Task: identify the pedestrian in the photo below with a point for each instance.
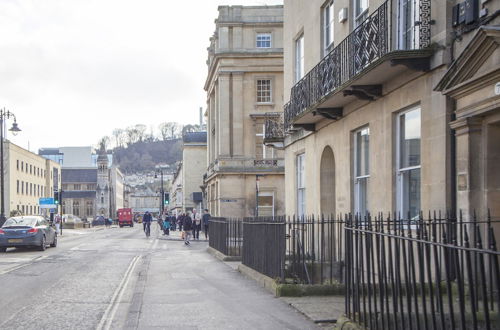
(173, 222)
(146, 219)
(196, 225)
(166, 226)
(188, 227)
(205, 220)
(180, 218)
(57, 221)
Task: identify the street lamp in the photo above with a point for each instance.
(4, 115)
(162, 192)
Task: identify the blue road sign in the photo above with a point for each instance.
(46, 201)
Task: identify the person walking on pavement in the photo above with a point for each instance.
(57, 221)
(188, 227)
(196, 225)
(180, 218)
(166, 225)
(205, 220)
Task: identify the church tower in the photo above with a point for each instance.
(103, 192)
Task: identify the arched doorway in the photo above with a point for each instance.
(327, 182)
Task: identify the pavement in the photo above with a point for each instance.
(116, 278)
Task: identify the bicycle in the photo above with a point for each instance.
(147, 230)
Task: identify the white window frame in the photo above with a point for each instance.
(267, 152)
(401, 185)
(359, 178)
(301, 187)
(263, 34)
(270, 90)
(266, 194)
(363, 12)
(328, 15)
(299, 57)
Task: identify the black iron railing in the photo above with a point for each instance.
(437, 273)
(315, 250)
(226, 235)
(382, 32)
(264, 245)
(274, 127)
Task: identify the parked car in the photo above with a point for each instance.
(71, 218)
(27, 231)
(99, 221)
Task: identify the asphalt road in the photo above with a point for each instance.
(118, 279)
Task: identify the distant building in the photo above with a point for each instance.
(143, 201)
(176, 195)
(92, 190)
(28, 177)
(74, 157)
(244, 86)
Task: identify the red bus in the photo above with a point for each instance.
(125, 217)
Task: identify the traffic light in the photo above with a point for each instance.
(56, 197)
(166, 198)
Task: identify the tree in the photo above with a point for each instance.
(132, 135)
(190, 128)
(119, 135)
(104, 142)
(169, 130)
(141, 131)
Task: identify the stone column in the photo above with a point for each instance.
(469, 163)
(238, 119)
(223, 123)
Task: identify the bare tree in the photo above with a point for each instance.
(141, 131)
(190, 128)
(119, 135)
(169, 130)
(132, 135)
(104, 142)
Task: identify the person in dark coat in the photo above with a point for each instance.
(205, 220)
(188, 227)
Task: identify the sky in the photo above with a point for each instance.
(73, 70)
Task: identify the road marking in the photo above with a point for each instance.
(3, 272)
(109, 314)
(155, 244)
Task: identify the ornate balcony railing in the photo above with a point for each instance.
(274, 129)
(369, 43)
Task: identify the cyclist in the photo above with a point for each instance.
(146, 222)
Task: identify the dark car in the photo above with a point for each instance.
(27, 231)
(99, 221)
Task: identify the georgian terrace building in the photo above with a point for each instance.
(363, 128)
(244, 87)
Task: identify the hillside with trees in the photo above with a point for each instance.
(137, 149)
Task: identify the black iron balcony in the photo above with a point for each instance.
(390, 40)
(274, 128)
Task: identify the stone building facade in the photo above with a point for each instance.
(28, 177)
(91, 191)
(364, 129)
(244, 85)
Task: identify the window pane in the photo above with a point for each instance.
(411, 194)
(361, 196)
(362, 152)
(264, 90)
(299, 58)
(263, 40)
(410, 139)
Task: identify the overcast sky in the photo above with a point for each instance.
(73, 70)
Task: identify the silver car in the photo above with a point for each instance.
(27, 231)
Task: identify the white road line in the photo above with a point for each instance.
(109, 314)
(155, 244)
(3, 272)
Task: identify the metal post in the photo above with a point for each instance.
(2, 194)
(61, 206)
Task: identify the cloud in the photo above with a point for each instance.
(73, 70)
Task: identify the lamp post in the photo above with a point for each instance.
(162, 192)
(4, 115)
